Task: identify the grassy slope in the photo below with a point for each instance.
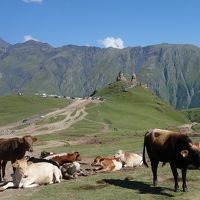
(134, 109)
(192, 114)
(14, 108)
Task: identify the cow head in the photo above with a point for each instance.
(191, 156)
(77, 155)
(120, 155)
(20, 164)
(28, 141)
(97, 161)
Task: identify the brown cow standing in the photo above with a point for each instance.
(14, 148)
(175, 148)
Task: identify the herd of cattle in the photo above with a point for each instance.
(162, 146)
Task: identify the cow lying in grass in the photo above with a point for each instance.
(72, 170)
(63, 158)
(107, 164)
(33, 174)
(129, 159)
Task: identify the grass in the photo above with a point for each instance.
(192, 114)
(15, 108)
(115, 185)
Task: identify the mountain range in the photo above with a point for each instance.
(172, 71)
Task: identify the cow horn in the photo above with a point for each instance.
(184, 153)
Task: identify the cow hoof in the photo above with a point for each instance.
(2, 189)
(185, 190)
(176, 190)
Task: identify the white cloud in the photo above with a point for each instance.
(112, 42)
(29, 37)
(32, 1)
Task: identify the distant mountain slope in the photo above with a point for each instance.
(171, 71)
(3, 45)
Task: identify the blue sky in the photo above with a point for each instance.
(103, 23)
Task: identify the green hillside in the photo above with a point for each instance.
(133, 109)
(15, 108)
(192, 114)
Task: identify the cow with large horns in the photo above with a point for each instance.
(173, 147)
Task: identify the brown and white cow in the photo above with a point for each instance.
(107, 164)
(65, 157)
(129, 159)
(14, 148)
(175, 148)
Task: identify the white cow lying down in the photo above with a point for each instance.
(33, 174)
(129, 159)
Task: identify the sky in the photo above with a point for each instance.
(102, 23)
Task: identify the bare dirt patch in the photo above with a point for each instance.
(70, 115)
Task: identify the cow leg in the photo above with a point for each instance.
(184, 172)
(0, 171)
(4, 169)
(12, 161)
(30, 186)
(154, 166)
(175, 174)
(8, 185)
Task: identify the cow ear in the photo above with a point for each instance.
(15, 164)
(29, 163)
(27, 157)
(184, 153)
(20, 140)
(34, 138)
(29, 139)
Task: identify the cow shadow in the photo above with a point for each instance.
(142, 188)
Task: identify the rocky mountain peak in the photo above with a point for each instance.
(3, 44)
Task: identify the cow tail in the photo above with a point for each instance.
(144, 159)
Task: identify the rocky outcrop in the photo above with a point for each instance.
(121, 77)
(134, 81)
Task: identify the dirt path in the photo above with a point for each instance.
(70, 115)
